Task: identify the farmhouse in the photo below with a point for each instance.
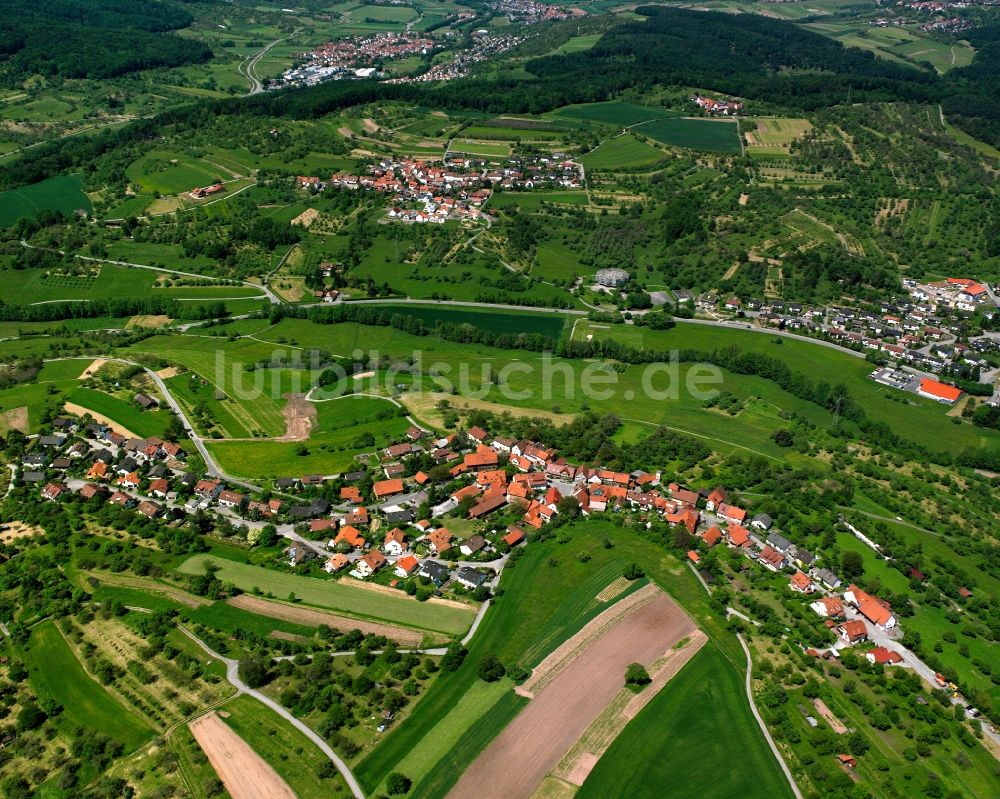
(877, 611)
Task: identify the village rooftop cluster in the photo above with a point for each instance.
(354, 57)
(456, 188)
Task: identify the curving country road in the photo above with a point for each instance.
(232, 674)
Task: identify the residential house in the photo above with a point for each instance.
(335, 563)
(53, 491)
(826, 577)
(828, 607)
(369, 564)
(762, 522)
(388, 488)
(853, 631)
(436, 572)
(395, 542)
(731, 514)
(514, 536)
(231, 499)
(472, 545)
(470, 578)
(351, 536)
(149, 509)
(876, 610)
(801, 583)
(298, 554)
(883, 656)
(440, 540)
(406, 566)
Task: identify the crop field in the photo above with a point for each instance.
(326, 452)
(775, 135)
(342, 596)
(56, 674)
(615, 113)
(534, 199)
(550, 593)
(707, 135)
(63, 193)
(129, 416)
(487, 149)
(622, 152)
(546, 324)
(296, 759)
(681, 744)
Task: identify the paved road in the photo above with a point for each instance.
(232, 674)
(250, 70)
(763, 726)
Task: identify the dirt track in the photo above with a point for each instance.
(299, 416)
(245, 774)
(314, 618)
(515, 763)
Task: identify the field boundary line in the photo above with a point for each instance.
(553, 665)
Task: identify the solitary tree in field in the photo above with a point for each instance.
(253, 669)
(636, 674)
(397, 784)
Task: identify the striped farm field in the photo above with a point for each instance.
(63, 193)
(353, 600)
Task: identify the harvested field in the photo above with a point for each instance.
(79, 410)
(14, 419)
(306, 218)
(14, 530)
(92, 369)
(299, 415)
(395, 592)
(314, 618)
(170, 371)
(613, 589)
(575, 685)
(147, 320)
(422, 405)
(245, 774)
(835, 724)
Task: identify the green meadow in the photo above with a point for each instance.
(63, 193)
(622, 152)
(708, 135)
(56, 674)
(124, 412)
(685, 741)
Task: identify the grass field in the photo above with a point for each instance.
(351, 600)
(56, 674)
(296, 759)
(167, 172)
(682, 743)
(142, 423)
(615, 113)
(622, 152)
(775, 135)
(63, 193)
(498, 321)
(708, 135)
(922, 420)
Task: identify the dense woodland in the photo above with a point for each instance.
(133, 37)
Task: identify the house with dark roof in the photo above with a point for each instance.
(469, 577)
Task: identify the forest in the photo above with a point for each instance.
(133, 37)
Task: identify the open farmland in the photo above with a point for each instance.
(706, 135)
(515, 763)
(142, 423)
(63, 193)
(622, 152)
(619, 114)
(168, 172)
(499, 321)
(245, 773)
(682, 743)
(354, 600)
